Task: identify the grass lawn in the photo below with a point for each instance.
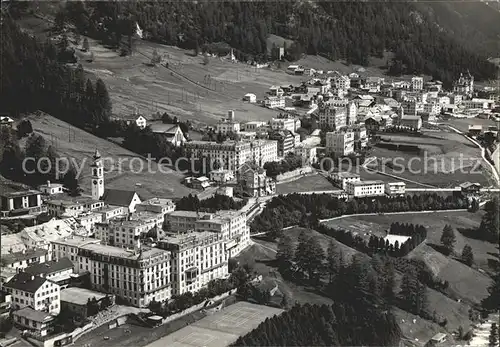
(261, 258)
(262, 254)
(465, 282)
(305, 184)
(446, 159)
(71, 142)
(186, 92)
(434, 222)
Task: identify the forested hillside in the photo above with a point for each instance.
(351, 31)
(341, 324)
(474, 24)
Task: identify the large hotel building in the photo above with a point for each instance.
(196, 259)
(231, 155)
(195, 251)
(230, 224)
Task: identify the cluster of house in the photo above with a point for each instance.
(258, 143)
(379, 101)
(125, 247)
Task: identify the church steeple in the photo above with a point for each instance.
(97, 180)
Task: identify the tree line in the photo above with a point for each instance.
(289, 163)
(213, 204)
(36, 171)
(349, 31)
(417, 234)
(339, 324)
(306, 209)
(34, 78)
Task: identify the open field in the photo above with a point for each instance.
(484, 252)
(465, 282)
(446, 159)
(188, 90)
(71, 142)
(462, 124)
(305, 184)
(220, 329)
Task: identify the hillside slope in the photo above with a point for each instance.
(121, 165)
(350, 31)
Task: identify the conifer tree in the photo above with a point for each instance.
(332, 261)
(448, 238)
(467, 255)
(493, 338)
(285, 251)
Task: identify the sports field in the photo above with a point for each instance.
(221, 328)
(446, 159)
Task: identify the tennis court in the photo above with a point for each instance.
(220, 328)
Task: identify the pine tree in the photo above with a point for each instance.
(389, 283)
(332, 260)
(285, 251)
(493, 339)
(420, 298)
(448, 238)
(490, 224)
(467, 255)
(492, 302)
(103, 100)
(408, 289)
(85, 45)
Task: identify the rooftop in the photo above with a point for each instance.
(79, 296)
(158, 201)
(121, 252)
(21, 193)
(12, 258)
(364, 183)
(52, 230)
(26, 282)
(189, 236)
(164, 128)
(344, 174)
(50, 267)
(118, 197)
(31, 314)
(188, 214)
(76, 241)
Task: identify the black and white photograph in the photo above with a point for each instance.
(246, 173)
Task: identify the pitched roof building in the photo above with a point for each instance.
(119, 197)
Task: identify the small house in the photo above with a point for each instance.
(475, 129)
(200, 182)
(6, 121)
(437, 339)
(469, 190)
(251, 98)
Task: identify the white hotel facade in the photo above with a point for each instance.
(233, 154)
(195, 251)
(196, 259)
(361, 189)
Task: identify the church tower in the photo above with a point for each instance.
(97, 177)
